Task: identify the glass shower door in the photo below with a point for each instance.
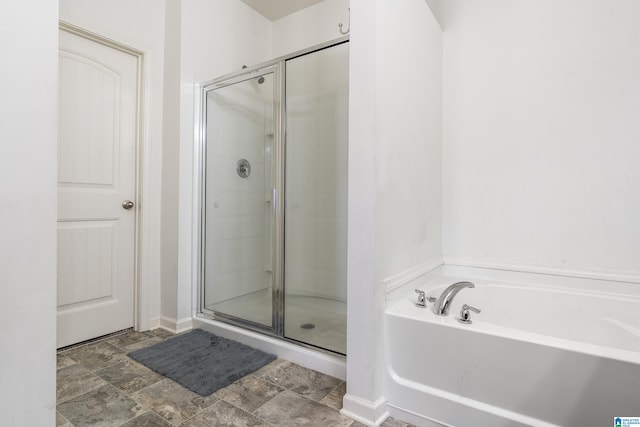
(238, 212)
(274, 192)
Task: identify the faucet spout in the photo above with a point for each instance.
(441, 307)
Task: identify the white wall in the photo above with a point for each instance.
(364, 364)
(409, 141)
(28, 131)
(139, 24)
(170, 163)
(219, 37)
(309, 27)
(394, 174)
(541, 134)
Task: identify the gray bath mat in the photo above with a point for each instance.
(201, 361)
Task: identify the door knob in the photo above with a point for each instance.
(128, 204)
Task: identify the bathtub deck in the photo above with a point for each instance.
(544, 352)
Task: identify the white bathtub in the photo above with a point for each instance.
(536, 356)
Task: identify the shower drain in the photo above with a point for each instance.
(307, 326)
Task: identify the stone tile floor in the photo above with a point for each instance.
(99, 385)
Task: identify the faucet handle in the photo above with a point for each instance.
(421, 298)
(465, 316)
(468, 307)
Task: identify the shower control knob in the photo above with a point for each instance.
(243, 168)
(128, 204)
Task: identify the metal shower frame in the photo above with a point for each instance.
(278, 68)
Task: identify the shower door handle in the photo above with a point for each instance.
(274, 197)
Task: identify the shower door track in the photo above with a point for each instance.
(277, 67)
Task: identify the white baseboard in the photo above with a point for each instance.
(176, 326)
(366, 412)
(154, 323)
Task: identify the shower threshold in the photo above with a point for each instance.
(328, 317)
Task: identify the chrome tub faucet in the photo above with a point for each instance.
(442, 305)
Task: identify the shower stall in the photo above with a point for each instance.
(273, 213)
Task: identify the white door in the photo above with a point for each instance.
(98, 90)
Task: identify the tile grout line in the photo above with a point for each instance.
(63, 417)
(196, 414)
(151, 385)
(324, 397)
(126, 394)
(293, 391)
(144, 412)
(253, 414)
(296, 393)
(88, 391)
(150, 408)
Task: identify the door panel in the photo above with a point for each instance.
(89, 117)
(98, 87)
(87, 267)
(238, 271)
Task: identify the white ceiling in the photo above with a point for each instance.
(276, 9)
